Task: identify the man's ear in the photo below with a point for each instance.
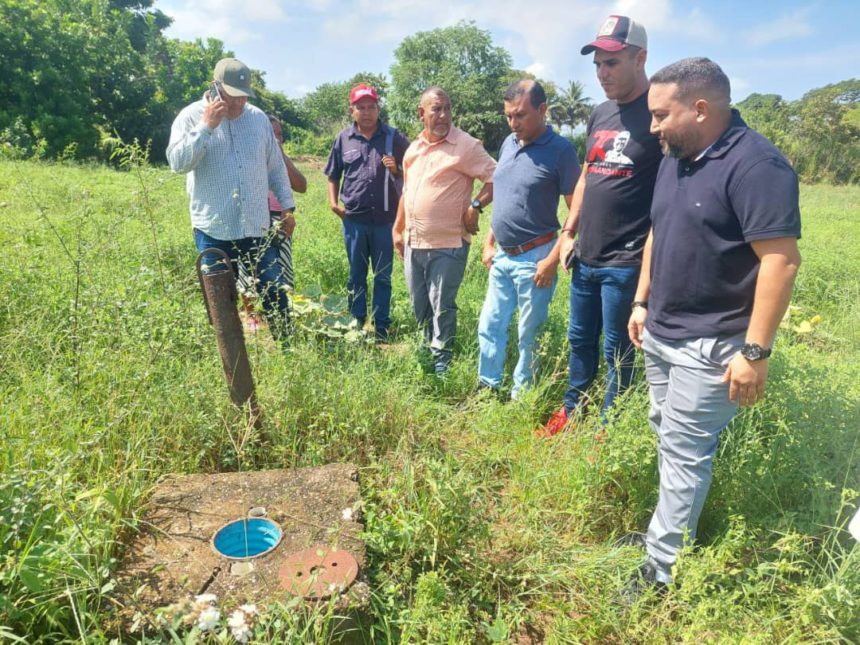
(703, 109)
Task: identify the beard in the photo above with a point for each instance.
(678, 146)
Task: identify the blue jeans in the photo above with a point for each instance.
(260, 257)
(512, 285)
(600, 298)
(369, 244)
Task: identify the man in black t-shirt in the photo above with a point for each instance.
(610, 214)
(717, 275)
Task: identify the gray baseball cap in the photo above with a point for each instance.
(616, 33)
(235, 77)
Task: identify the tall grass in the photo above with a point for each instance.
(476, 531)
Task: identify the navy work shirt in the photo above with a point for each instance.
(358, 161)
(527, 184)
(704, 215)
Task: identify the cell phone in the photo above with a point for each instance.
(214, 91)
(570, 259)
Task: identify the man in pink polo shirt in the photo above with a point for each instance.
(437, 217)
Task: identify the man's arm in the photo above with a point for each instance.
(333, 189)
(472, 216)
(548, 267)
(298, 182)
(636, 325)
(571, 224)
(189, 136)
(780, 260)
(489, 250)
(399, 227)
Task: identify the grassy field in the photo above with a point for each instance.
(476, 531)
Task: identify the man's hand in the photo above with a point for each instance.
(470, 220)
(746, 380)
(338, 210)
(487, 255)
(399, 243)
(214, 112)
(565, 249)
(545, 273)
(391, 164)
(636, 326)
(287, 224)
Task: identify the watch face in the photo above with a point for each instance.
(753, 352)
(476, 204)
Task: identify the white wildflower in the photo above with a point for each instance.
(206, 598)
(238, 627)
(347, 515)
(250, 610)
(208, 619)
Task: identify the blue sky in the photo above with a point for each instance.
(764, 46)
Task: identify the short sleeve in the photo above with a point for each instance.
(477, 162)
(568, 168)
(766, 200)
(334, 166)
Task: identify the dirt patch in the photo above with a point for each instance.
(172, 559)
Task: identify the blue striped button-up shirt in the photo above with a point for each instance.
(230, 171)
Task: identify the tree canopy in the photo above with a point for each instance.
(462, 60)
(75, 75)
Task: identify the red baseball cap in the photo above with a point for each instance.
(361, 91)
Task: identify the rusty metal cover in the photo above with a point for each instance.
(318, 572)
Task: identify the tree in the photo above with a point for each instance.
(327, 107)
(463, 61)
(569, 108)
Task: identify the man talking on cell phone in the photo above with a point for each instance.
(228, 151)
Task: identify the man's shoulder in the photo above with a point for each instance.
(461, 137)
(751, 148)
(606, 109)
(192, 110)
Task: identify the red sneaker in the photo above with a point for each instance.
(557, 422)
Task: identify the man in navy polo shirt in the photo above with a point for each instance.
(717, 276)
(368, 156)
(603, 238)
(536, 166)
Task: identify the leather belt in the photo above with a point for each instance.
(528, 246)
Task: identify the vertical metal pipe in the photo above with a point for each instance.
(219, 293)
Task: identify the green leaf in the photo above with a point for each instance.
(498, 631)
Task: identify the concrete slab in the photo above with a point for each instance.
(171, 559)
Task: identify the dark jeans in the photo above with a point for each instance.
(369, 245)
(260, 257)
(600, 298)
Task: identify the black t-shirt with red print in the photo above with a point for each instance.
(623, 158)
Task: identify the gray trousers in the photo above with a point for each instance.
(690, 406)
(433, 277)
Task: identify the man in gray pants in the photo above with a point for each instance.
(437, 216)
(717, 275)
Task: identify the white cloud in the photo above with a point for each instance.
(794, 25)
(233, 21)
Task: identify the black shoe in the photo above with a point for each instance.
(381, 336)
(634, 539)
(641, 584)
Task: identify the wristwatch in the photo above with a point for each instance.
(754, 352)
(639, 303)
(476, 204)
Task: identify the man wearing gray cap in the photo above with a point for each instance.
(228, 150)
(602, 239)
